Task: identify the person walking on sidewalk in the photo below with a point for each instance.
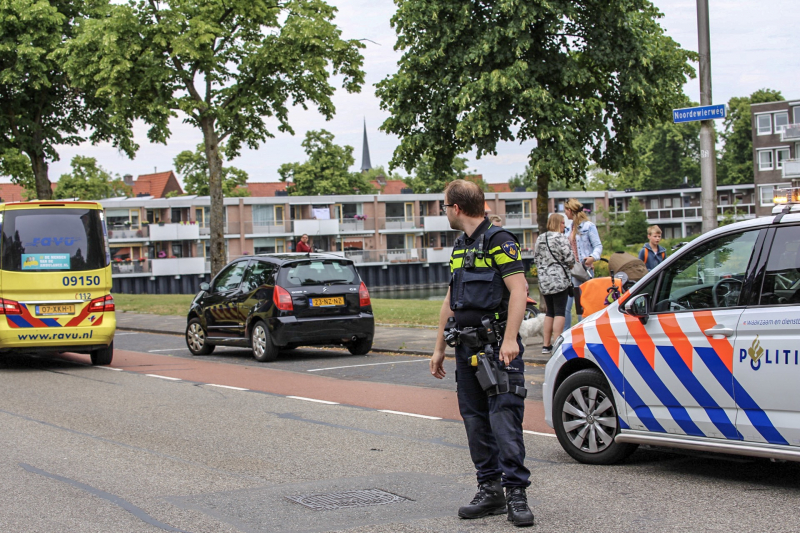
(586, 245)
(487, 287)
(652, 253)
(554, 259)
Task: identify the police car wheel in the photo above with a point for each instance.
(263, 349)
(196, 338)
(585, 419)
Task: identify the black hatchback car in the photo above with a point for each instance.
(282, 301)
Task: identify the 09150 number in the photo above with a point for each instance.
(88, 281)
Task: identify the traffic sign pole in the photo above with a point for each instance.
(708, 157)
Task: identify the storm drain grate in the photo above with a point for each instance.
(343, 500)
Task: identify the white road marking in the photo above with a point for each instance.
(167, 350)
(163, 377)
(538, 433)
(225, 386)
(313, 400)
(117, 334)
(370, 364)
(109, 368)
(409, 414)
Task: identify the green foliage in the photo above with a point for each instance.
(41, 107)
(194, 168)
(377, 172)
(580, 78)
(635, 224)
(736, 163)
(17, 166)
(327, 170)
(228, 66)
(88, 181)
(428, 179)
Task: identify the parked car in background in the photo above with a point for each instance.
(282, 301)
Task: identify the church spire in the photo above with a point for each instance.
(365, 162)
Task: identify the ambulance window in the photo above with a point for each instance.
(709, 276)
(782, 278)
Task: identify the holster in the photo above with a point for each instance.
(493, 379)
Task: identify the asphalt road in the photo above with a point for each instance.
(93, 449)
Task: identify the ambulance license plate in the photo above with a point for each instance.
(327, 302)
(55, 309)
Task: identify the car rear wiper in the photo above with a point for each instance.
(338, 282)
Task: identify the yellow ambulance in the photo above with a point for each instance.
(55, 280)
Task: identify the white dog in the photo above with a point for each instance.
(531, 328)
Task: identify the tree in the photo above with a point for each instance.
(635, 225)
(428, 178)
(40, 108)
(327, 170)
(664, 155)
(17, 166)
(579, 78)
(88, 181)
(194, 168)
(736, 162)
(227, 66)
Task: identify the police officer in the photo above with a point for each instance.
(487, 280)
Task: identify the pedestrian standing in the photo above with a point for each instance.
(554, 259)
(652, 253)
(487, 286)
(303, 246)
(585, 243)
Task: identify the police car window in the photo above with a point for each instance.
(230, 278)
(782, 278)
(709, 276)
(321, 273)
(258, 274)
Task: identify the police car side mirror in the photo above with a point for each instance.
(639, 306)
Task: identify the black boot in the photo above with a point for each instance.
(519, 513)
(488, 500)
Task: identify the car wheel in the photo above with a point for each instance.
(196, 338)
(360, 346)
(531, 312)
(103, 356)
(261, 342)
(586, 419)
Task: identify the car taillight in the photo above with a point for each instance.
(363, 296)
(282, 299)
(98, 305)
(9, 307)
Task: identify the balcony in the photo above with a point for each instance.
(128, 233)
(790, 133)
(130, 267)
(517, 220)
(355, 225)
(403, 255)
(400, 224)
(436, 224)
(173, 266)
(174, 232)
(791, 168)
(259, 228)
(683, 214)
(316, 227)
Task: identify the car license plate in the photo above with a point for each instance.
(327, 302)
(55, 309)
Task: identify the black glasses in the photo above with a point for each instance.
(445, 206)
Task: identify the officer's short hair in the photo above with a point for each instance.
(467, 195)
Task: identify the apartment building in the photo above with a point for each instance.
(776, 149)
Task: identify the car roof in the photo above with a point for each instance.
(290, 257)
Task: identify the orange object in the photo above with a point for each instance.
(594, 293)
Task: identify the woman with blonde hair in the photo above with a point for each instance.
(553, 259)
(585, 243)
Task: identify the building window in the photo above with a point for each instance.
(667, 202)
(765, 160)
(654, 203)
(781, 120)
(764, 124)
(723, 199)
(268, 245)
(781, 155)
(766, 193)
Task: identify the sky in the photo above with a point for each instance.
(753, 46)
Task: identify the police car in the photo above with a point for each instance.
(703, 353)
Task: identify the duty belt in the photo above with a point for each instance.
(490, 332)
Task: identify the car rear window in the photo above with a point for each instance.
(319, 273)
(52, 240)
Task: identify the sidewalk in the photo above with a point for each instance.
(412, 341)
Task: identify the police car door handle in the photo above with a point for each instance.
(719, 329)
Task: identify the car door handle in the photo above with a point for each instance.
(719, 329)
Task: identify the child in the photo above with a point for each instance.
(651, 253)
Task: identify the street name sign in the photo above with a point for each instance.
(692, 114)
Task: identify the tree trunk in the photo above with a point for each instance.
(542, 201)
(44, 190)
(211, 142)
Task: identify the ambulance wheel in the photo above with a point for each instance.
(360, 346)
(586, 419)
(263, 349)
(196, 338)
(103, 356)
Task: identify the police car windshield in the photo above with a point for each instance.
(52, 240)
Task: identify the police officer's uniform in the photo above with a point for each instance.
(493, 423)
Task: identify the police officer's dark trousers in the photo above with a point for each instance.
(493, 424)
